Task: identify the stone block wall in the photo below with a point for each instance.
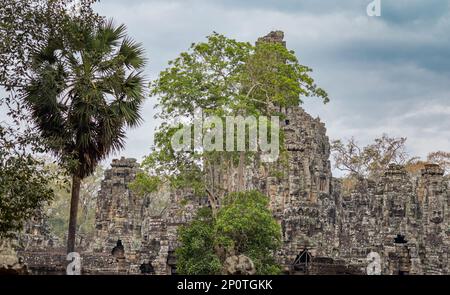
(405, 218)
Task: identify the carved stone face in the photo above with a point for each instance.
(397, 208)
(436, 214)
(437, 217)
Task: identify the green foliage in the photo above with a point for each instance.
(72, 78)
(23, 189)
(244, 225)
(196, 256)
(205, 77)
(26, 25)
(23, 183)
(273, 76)
(223, 77)
(155, 195)
(87, 88)
(144, 184)
(179, 170)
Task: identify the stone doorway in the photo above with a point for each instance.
(302, 261)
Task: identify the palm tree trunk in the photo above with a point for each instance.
(74, 200)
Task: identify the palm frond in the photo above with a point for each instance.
(83, 98)
(132, 54)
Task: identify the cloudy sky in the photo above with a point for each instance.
(383, 74)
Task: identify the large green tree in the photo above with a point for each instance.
(223, 77)
(244, 225)
(86, 88)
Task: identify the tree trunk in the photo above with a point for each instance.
(213, 202)
(74, 200)
(241, 172)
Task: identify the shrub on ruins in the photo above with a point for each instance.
(196, 256)
(244, 225)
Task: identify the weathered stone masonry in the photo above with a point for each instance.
(404, 218)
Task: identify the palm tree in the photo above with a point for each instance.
(87, 87)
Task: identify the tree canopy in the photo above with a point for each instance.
(370, 160)
(222, 77)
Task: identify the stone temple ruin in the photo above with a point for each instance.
(404, 218)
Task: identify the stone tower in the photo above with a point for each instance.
(434, 196)
(119, 212)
